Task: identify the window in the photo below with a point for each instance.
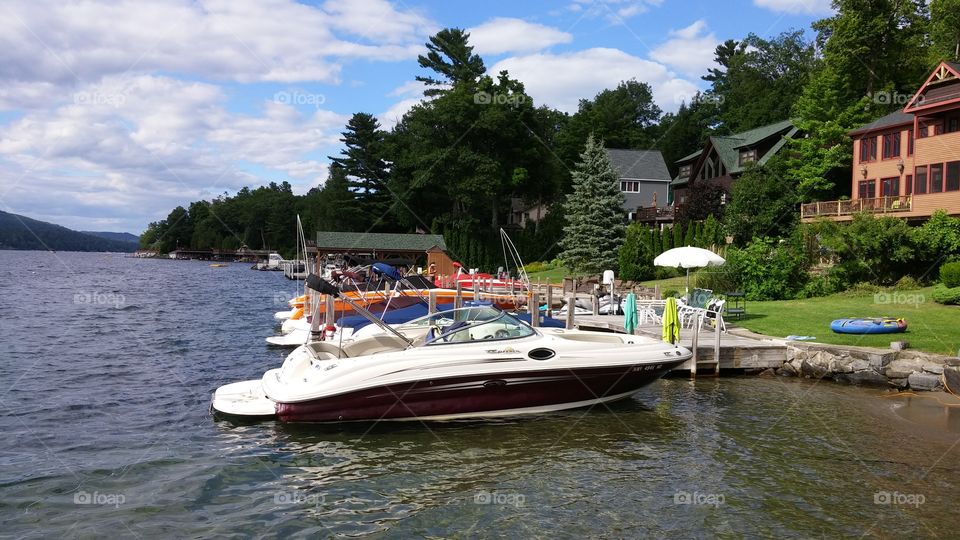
(908, 185)
(890, 187)
(922, 130)
(920, 180)
(891, 145)
(910, 142)
(868, 149)
(746, 156)
(938, 128)
(953, 176)
(867, 189)
(685, 171)
(953, 124)
(629, 186)
(936, 178)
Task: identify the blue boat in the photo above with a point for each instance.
(880, 325)
(407, 314)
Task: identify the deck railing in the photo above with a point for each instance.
(654, 213)
(877, 205)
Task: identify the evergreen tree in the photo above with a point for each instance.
(666, 238)
(365, 166)
(689, 239)
(451, 57)
(678, 234)
(595, 231)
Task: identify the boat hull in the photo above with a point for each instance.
(487, 395)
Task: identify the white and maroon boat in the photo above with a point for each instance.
(464, 363)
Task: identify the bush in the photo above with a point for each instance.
(636, 261)
(950, 274)
(718, 279)
(878, 250)
(769, 270)
(907, 283)
(946, 295)
(864, 288)
(819, 286)
(671, 292)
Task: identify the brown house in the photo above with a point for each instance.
(907, 163)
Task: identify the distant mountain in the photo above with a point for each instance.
(21, 232)
(118, 236)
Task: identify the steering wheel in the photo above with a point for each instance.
(501, 334)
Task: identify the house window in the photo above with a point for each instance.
(629, 186)
(920, 180)
(890, 187)
(922, 130)
(867, 189)
(953, 124)
(746, 156)
(953, 176)
(868, 149)
(685, 171)
(908, 185)
(891, 145)
(910, 142)
(938, 128)
(936, 178)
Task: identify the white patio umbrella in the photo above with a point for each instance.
(688, 257)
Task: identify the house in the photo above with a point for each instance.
(907, 163)
(724, 158)
(643, 178)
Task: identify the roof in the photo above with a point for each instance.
(689, 157)
(728, 146)
(370, 241)
(897, 118)
(639, 164)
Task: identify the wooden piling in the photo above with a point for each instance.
(716, 344)
(535, 310)
(596, 300)
(571, 303)
(432, 302)
(693, 345)
(476, 289)
(549, 312)
(458, 299)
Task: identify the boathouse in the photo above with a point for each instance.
(419, 248)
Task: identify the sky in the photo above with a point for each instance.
(112, 113)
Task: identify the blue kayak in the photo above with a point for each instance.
(881, 325)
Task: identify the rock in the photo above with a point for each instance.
(923, 381)
(816, 371)
(936, 369)
(866, 377)
(899, 369)
(859, 365)
(841, 365)
(899, 345)
(899, 383)
(786, 371)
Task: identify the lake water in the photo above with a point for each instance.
(108, 364)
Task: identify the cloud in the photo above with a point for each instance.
(796, 7)
(689, 50)
(614, 11)
(558, 79)
(502, 35)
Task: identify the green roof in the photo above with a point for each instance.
(728, 146)
(372, 241)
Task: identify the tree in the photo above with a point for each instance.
(687, 130)
(763, 204)
(636, 259)
(705, 198)
(364, 163)
(451, 57)
(944, 30)
(595, 231)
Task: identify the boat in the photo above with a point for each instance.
(472, 362)
(218, 265)
(880, 325)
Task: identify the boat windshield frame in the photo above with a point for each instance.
(452, 329)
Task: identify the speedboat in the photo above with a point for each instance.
(462, 363)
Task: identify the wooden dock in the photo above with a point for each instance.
(736, 350)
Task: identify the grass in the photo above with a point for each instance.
(554, 275)
(931, 327)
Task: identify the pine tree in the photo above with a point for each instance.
(678, 235)
(689, 238)
(595, 230)
(666, 238)
(364, 163)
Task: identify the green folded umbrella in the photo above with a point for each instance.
(630, 313)
(671, 322)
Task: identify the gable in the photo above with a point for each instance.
(940, 88)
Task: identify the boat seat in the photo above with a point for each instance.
(374, 345)
(325, 350)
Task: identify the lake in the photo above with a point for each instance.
(109, 363)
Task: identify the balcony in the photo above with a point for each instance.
(879, 205)
(654, 214)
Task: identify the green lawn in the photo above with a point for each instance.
(554, 275)
(931, 327)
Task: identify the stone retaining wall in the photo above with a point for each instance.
(860, 365)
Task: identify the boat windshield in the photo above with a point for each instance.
(471, 324)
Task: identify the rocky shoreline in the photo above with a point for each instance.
(901, 369)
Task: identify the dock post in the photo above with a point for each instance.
(716, 344)
(549, 311)
(656, 292)
(432, 302)
(596, 299)
(693, 345)
(330, 311)
(571, 303)
(476, 290)
(535, 310)
(458, 299)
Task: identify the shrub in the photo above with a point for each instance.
(718, 279)
(769, 270)
(906, 283)
(878, 250)
(946, 295)
(671, 292)
(864, 288)
(636, 261)
(950, 274)
(819, 286)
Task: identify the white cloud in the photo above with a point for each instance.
(503, 34)
(689, 50)
(615, 11)
(558, 79)
(796, 7)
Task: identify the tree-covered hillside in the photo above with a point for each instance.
(21, 232)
